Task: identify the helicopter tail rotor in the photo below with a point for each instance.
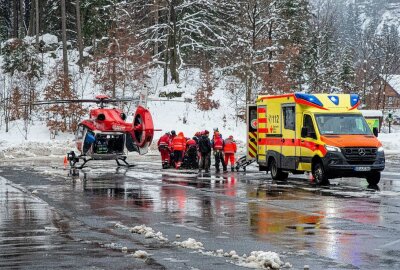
(143, 129)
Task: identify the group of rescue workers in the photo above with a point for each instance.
(195, 153)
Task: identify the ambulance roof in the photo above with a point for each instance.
(320, 102)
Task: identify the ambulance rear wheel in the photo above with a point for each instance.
(276, 173)
(319, 174)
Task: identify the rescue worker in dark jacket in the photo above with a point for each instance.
(204, 152)
(171, 155)
(163, 146)
(190, 159)
(218, 147)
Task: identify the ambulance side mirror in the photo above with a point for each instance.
(375, 131)
(253, 140)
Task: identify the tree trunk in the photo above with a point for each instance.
(173, 36)
(15, 13)
(79, 35)
(22, 19)
(37, 24)
(156, 18)
(64, 42)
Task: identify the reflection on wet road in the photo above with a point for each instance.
(345, 226)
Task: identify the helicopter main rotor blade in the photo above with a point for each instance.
(46, 102)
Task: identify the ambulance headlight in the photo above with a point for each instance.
(331, 148)
(380, 149)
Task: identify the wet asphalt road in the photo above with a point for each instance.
(49, 220)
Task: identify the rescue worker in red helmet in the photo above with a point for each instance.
(204, 152)
(163, 147)
(218, 148)
(178, 146)
(230, 149)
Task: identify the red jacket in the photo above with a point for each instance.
(164, 140)
(179, 142)
(218, 143)
(230, 147)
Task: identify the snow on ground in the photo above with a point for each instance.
(256, 259)
(38, 143)
(391, 142)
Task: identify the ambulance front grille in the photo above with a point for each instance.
(360, 155)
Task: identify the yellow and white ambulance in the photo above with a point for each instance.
(323, 134)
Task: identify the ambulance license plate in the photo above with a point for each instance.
(362, 169)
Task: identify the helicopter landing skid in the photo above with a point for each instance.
(125, 163)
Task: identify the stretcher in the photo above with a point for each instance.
(243, 162)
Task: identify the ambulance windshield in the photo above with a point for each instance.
(342, 124)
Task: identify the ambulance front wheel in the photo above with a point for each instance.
(319, 174)
(373, 178)
(277, 173)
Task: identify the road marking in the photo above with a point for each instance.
(391, 243)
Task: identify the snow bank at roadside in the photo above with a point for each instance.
(38, 143)
(391, 142)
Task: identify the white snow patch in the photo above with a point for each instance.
(141, 254)
(262, 260)
(190, 243)
(148, 232)
(391, 142)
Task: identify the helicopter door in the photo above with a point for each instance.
(130, 143)
(143, 129)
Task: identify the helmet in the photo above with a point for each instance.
(173, 132)
(206, 132)
(230, 137)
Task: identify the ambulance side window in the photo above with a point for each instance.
(288, 117)
(308, 123)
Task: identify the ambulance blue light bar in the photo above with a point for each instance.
(334, 99)
(309, 98)
(354, 100)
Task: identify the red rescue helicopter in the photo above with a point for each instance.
(106, 135)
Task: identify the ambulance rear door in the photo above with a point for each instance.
(288, 139)
(251, 131)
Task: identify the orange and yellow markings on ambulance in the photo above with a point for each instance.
(252, 145)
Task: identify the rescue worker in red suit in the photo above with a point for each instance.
(179, 147)
(163, 147)
(230, 149)
(218, 148)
